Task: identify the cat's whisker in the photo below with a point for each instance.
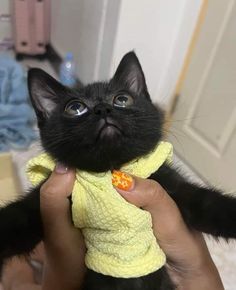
(177, 139)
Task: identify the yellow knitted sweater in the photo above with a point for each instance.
(118, 235)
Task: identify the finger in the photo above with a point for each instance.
(17, 273)
(54, 202)
(64, 244)
(59, 230)
(185, 249)
(168, 225)
(149, 195)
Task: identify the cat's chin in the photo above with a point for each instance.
(109, 132)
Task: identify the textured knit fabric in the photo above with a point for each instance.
(118, 235)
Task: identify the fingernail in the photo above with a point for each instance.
(122, 180)
(61, 168)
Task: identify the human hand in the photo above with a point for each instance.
(63, 252)
(64, 266)
(188, 260)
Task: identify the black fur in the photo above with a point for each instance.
(104, 138)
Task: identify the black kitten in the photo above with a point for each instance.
(98, 128)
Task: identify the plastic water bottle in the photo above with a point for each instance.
(68, 71)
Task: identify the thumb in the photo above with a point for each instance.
(54, 202)
(181, 245)
(64, 244)
(149, 195)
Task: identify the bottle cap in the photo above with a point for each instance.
(69, 55)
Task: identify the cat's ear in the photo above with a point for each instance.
(44, 91)
(129, 74)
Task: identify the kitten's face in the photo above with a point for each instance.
(100, 126)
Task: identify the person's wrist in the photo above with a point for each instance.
(202, 282)
(202, 275)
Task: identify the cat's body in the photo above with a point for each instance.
(99, 128)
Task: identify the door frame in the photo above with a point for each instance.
(187, 59)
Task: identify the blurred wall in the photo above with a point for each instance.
(88, 29)
(159, 31)
(99, 32)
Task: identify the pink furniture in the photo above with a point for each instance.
(31, 26)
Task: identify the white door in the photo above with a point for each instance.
(204, 121)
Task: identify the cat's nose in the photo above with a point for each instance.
(102, 109)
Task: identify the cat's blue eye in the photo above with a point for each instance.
(75, 108)
(123, 101)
